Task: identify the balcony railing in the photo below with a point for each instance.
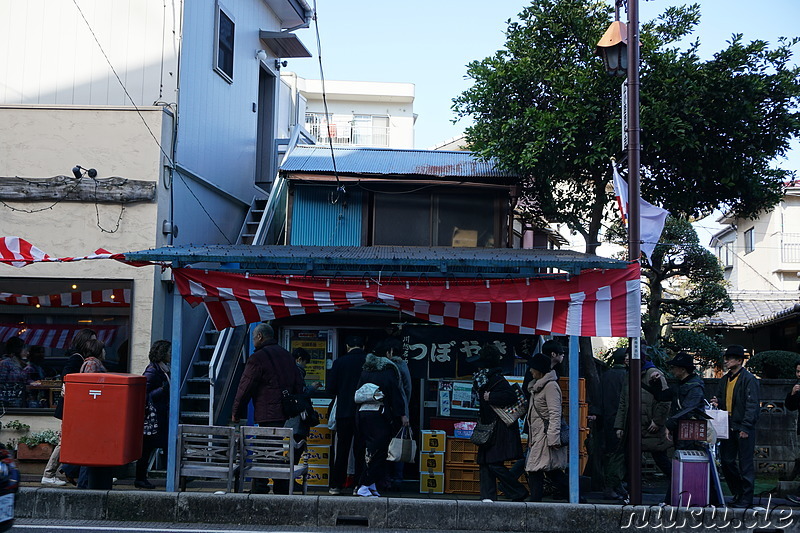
(343, 131)
(790, 248)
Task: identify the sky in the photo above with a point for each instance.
(429, 44)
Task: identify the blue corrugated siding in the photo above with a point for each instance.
(318, 222)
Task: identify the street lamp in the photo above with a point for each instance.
(621, 59)
(613, 48)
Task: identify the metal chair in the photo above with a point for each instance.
(207, 452)
(268, 452)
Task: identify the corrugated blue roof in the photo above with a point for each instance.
(385, 161)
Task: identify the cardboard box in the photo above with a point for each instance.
(318, 475)
(433, 440)
(321, 407)
(431, 483)
(318, 455)
(319, 435)
(431, 462)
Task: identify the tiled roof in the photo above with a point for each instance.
(754, 308)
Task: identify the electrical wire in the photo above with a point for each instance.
(113, 70)
(203, 208)
(340, 189)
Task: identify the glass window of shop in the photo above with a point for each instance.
(44, 314)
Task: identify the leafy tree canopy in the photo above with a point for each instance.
(711, 130)
(682, 280)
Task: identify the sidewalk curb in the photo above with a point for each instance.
(400, 513)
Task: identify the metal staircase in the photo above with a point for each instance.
(218, 359)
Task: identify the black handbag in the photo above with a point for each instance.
(483, 433)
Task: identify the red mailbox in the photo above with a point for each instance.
(103, 419)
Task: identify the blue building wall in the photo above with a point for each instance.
(318, 222)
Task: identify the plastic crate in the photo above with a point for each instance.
(462, 480)
(564, 384)
(461, 452)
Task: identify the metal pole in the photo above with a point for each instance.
(574, 445)
(174, 391)
(634, 251)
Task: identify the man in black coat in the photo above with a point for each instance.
(342, 384)
(793, 404)
(739, 395)
(611, 383)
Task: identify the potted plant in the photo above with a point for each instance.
(15, 427)
(37, 446)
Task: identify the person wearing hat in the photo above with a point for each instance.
(690, 394)
(491, 388)
(546, 456)
(612, 382)
(739, 395)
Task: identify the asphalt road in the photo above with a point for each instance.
(97, 526)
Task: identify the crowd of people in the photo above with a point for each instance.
(370, 402)
(662, 409)
(20, 367)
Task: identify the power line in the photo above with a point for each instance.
(339, 187)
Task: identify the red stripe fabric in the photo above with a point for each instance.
(528, 306)
(54, 336)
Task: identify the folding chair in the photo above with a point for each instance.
(268, 452)
(207, 452)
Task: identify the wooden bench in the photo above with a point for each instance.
(268, 452)
(207, 452)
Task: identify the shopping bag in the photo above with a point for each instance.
(719, 421)
(332, 416)
(509, 414)
(403, 448)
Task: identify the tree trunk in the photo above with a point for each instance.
(652, 327)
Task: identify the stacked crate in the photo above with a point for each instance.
(461, 467)
(431, 461)
(583, 414)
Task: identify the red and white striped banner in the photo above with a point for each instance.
(95, 298)
(596, 303)
(53, 335)
(18, 252)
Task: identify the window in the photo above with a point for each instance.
(225, 38)
(749, 242)
(435, 219)
(31, 383)
(725, 254)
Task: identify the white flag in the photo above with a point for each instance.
(652, 217)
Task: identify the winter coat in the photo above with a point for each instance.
(383, 373)
(612, 383)
(343, 381)
(505, 444)
(746, 406)
(691, 393)
(652, 411)
(268, 372)
(793, 404)
(546, 452)
(158, 394)
(405, 379)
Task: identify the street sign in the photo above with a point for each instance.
(624, 115)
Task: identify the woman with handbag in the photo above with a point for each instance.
(501, 442)
(156, 415)
(546, 455)
(380, 416)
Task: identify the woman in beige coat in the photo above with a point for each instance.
(546, 456)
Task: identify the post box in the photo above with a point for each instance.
(103, 419)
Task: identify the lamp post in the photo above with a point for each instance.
(619, 45)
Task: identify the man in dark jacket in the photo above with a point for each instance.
(689, 396)
(793, 404)
(739, 395)
(269, 371)
(612, 382)
(342, 384)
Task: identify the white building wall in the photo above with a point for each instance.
(48, 141)
(50, 55)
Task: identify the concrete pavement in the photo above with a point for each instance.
(316, 510)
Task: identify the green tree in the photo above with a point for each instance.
(682, 281)
(544, 108)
